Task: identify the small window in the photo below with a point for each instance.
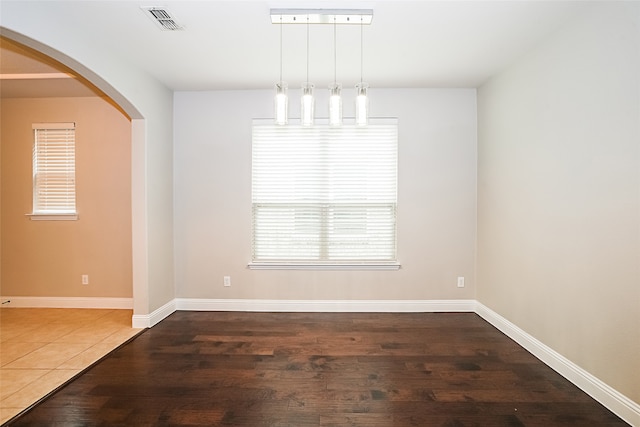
(324, 195)
(54, 171)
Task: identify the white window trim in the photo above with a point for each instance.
(53, 216)
(324, 266)
(390, 265)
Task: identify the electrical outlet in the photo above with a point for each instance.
(227, 280)
(85, 279)
(461, 282)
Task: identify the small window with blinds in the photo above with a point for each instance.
(324, 195)
(54, 177)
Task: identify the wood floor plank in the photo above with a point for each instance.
(320, 369)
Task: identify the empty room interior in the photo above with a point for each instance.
(511, 189)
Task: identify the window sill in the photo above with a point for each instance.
(52, 217)
(312, 266)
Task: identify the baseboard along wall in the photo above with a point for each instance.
(67, 302)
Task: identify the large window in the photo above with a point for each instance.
(324, 195)
(54, 180)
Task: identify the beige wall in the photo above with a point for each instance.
(47, 258)
(150, 104)
(559, 194)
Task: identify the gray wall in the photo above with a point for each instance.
(436, 199)
(559, 194)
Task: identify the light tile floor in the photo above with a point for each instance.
(41, 348)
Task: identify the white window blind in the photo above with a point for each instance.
(54, 165)
(324, 194)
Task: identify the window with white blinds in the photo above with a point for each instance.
(324, 195)
(54, 166)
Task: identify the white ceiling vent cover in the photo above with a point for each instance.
(163, 18)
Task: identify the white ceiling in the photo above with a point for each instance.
(233, 45)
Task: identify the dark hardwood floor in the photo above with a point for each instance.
(320, 369)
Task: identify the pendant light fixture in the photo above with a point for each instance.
(307, 102)
(281, 99)
(362, 100)
(335, 99)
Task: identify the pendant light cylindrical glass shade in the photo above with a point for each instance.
(362, 104)
(307, 105)
(335, 104)
(281, 104)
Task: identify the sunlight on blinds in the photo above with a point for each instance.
(324, 194)
(54, 186)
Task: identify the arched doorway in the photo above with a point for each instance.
(86, 96)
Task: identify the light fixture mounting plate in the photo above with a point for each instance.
(322, 16)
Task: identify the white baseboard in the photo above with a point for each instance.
(67, 302)
(334, 306)
(615, 401)
(152, 319)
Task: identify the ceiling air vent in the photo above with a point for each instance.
(163, 18)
